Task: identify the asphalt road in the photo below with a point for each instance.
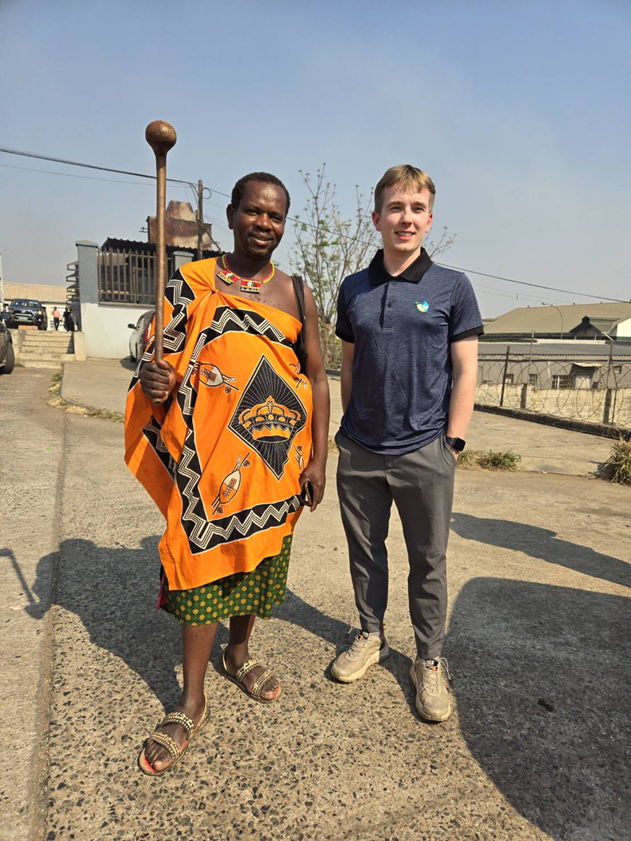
(537, 642)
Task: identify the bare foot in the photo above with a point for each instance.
(157, 755)
(235, 659)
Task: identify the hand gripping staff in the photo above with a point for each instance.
(161, 136)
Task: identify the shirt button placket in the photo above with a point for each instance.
(387, 321)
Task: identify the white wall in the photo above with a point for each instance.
(105, 329)
(623, 330)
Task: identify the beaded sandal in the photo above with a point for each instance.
(175, 751)
(259, 683)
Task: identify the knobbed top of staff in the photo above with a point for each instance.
(161, 136)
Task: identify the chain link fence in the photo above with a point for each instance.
(596, 390)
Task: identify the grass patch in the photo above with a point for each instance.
(332, 445)
(501, 460)
(618, 465)
(469, 459)
(56, 401)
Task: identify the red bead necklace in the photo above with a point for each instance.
(248, 284)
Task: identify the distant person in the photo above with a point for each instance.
(4, 313)
(56, 317)
(409, 332)
(68, 320)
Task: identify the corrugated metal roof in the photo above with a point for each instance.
(149, 247)
(523, 320)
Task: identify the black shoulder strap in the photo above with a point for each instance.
(299, 292)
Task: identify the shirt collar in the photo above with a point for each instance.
(413, 273)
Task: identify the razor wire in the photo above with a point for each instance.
(595, 391)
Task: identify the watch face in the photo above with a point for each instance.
(456, 443)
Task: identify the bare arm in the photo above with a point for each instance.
(464, 360)
(346, 373)
(315, 472)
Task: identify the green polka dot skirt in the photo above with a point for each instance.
(241, 594)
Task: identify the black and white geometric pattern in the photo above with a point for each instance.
(152, 432)
(204, 534)
(265, 383)
(179, 294)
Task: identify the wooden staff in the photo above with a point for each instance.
(161, 137)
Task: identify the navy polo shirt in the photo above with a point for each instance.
(402, 328)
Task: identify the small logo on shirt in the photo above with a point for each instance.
(422, 306)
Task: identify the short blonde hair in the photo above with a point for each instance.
(407, 177)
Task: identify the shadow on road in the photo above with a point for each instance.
(542, 681)
(114, 590)
(542, 544)
(334, 631)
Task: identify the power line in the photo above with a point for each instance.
(301, 222)
(72, 175)
(86, 166)
(520, 297)
(535, 285)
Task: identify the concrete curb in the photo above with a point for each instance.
(97, 410)
(602, 430)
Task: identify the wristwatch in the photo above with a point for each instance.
(457, 444)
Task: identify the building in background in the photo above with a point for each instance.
(573, 321)
(116, 284)
(49, 296)
(181, 227)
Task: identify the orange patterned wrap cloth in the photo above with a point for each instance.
(222, 458)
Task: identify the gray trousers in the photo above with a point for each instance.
(421, 484)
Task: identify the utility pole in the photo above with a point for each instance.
(1, 283)
(200, 217)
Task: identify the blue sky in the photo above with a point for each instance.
(519, 111)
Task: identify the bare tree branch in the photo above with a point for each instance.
(328, 248)
(445, 241)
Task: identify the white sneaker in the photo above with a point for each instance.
(365, 651)
(433, 701)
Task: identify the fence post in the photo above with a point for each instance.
(607, 407)
(524, 396)
(88, 274)
(504, 375)
(87, 264)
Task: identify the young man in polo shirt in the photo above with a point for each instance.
(409, 332)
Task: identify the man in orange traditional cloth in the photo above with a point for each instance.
(236, 447)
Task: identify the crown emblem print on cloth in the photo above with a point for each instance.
(268, 417)
(269, 420)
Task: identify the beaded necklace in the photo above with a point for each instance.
(248, 284)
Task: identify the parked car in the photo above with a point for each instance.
(140, 335)
(27, 311)
(7, 354)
